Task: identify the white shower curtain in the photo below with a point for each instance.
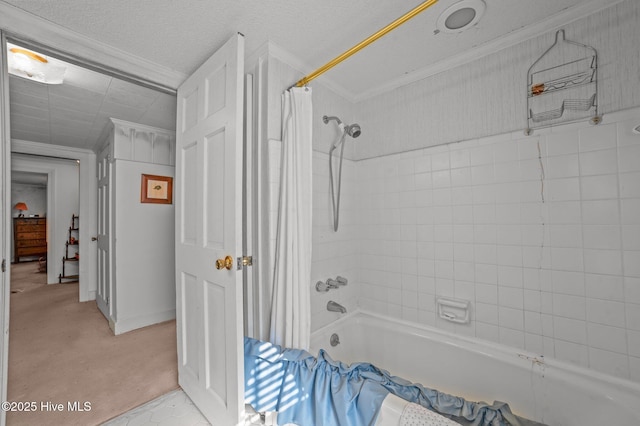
(290, 304)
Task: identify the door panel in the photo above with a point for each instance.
(214, 209)
(190, 328)
(215, 315)
(189, 197)
(104, 296)
(209, 227)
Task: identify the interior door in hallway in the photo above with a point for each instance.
(104, 296)
(209, 149)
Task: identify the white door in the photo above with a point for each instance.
(104, 298)
(5, 214)
(208, 192)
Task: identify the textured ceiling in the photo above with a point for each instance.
(180, 35)
(76, 112)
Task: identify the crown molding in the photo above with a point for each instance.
(554, 22)
(17, 23)
(19, 146)
(143, 127)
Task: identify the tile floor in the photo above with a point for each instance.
(172, 409)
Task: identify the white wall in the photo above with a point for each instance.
(487, 97)
(144, 251)
(557, 277)
(33, 195)
(64, 187)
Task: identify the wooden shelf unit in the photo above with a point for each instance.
(72, 241)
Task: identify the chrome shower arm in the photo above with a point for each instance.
(326, 119)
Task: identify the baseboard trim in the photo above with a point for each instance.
(128, 324)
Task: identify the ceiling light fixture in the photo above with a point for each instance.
(460, 16)
(33, 66)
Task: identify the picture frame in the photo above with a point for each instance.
(156, 189)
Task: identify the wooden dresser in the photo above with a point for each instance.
(29, 237)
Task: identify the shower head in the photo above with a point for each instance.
(352, 130)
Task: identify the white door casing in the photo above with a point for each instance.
(88, 206)
(208, 190)
(5, 214)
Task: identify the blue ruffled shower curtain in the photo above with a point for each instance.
(310, 391)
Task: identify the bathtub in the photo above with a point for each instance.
(545, 390)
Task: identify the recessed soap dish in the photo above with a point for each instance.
(453, 310)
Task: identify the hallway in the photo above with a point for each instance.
(62, 351)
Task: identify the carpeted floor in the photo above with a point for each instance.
(63, 352)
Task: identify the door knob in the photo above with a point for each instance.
(94, 238)
(226, 263)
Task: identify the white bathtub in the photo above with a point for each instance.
(547, 391)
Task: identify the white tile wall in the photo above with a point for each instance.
(335, 253)
(550, 265)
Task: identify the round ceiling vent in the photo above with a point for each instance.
(460, 16)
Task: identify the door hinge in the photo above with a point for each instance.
(4, 265)
(245, 261)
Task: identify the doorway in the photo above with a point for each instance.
(67, 121)
(52, 202)
(70, 121)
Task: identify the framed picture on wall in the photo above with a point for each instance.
(156, 189)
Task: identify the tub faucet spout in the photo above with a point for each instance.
(336, 307)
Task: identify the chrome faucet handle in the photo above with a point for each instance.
(322, 287)
(332, 283)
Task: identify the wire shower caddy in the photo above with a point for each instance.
(562, 85)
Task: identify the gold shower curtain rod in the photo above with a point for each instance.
(364, 43)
